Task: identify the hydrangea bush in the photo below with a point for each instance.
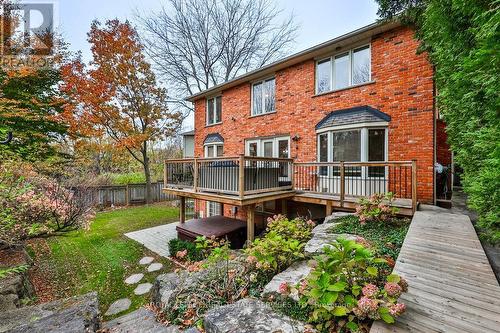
(33, 205)
(282, 244)
(346, 289)
(377, 208)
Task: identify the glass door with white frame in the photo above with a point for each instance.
(214, 150)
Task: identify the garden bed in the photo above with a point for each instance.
(386, 238)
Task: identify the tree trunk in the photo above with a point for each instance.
(147, 174)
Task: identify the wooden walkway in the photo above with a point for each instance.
(155, 239)
(452, 287)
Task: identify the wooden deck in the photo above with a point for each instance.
(452, 287)
(348, 204)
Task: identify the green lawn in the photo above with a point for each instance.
(101, 258)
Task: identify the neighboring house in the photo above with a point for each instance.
(188, 144)
(364, 97)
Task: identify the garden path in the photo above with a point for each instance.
(452, 287)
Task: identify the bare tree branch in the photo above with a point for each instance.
(196, 44)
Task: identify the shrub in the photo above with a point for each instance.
(33, 205)
(377, 208)
(345, 288)
(282, 244)
(192, 252)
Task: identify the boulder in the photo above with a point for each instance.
(336, 215)
(316, 244)
(141, 320)
(249, 316)
(76, 314)
(292, 275)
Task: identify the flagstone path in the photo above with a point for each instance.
(123, 304)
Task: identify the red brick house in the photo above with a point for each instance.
(365, 97)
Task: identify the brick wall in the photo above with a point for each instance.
(402, 88)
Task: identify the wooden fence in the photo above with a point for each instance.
(131, 194)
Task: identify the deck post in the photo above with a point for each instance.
(284, 207)
(342, 183)
(329, 208)
(183, 210)
(414, 185)
(250, 223)
(165, 175)
(241, 176)
(127, 195)
(195, 175)
(221, 205)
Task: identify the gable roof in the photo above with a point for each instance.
(213, 138)
(322, 49)
(355, 115)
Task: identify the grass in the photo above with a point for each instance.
(386, 237)
(99, 259)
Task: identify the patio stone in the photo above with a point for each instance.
(133, 279)
(143, 288)
(155, 267)
(146, 260)
(118, 306)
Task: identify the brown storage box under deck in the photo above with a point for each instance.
(218, 226)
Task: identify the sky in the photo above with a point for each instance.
(319, 20)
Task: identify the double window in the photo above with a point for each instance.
(214, 110)
(214, 150)
(343, 70)
(263, 97)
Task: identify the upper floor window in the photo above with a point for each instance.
(343, 70)
(214, 110)
(263, 97)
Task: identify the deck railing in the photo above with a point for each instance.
(357, 179)
(241, 175)
(245, 175)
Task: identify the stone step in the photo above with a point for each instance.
(139, 321)
(249, 316)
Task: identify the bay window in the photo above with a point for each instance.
(263, 97)
(214, 110)
(343, 70)
(352, 145)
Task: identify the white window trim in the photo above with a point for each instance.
(381, 124)
(263, 97)
(260, 145)
(332, 69)
(214, 145)
(215, 111)
(217, 208)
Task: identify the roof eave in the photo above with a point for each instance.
(312, 52)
